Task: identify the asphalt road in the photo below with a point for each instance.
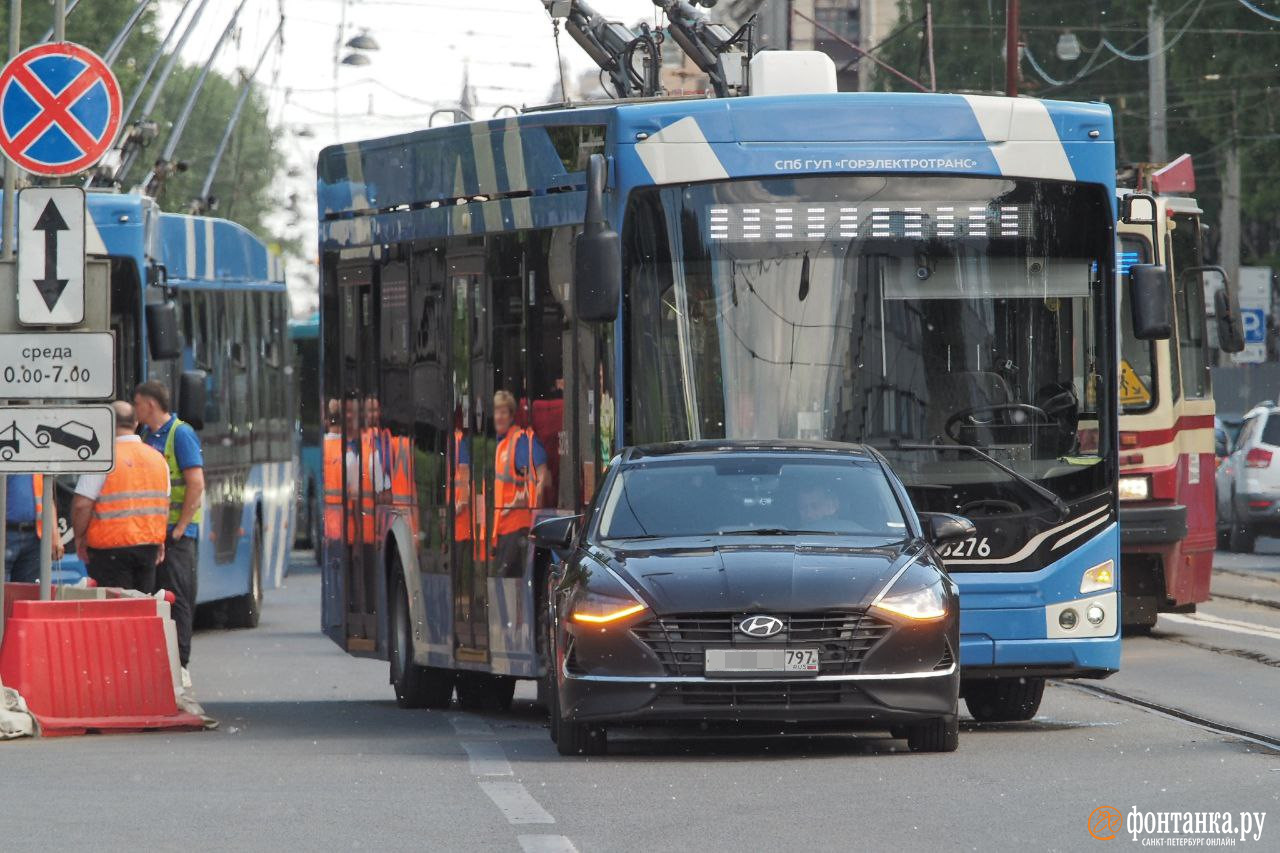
(313, 754)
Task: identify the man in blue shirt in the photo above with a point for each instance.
(22, 529)
(181, 448)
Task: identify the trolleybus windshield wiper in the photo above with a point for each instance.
(1045, 494)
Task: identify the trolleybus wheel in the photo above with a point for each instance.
(415, 686)
(245, 611)
(1003, 700)
(940, 735)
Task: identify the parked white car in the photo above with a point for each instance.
(1248, 481)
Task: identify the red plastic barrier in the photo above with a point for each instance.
(92, 666)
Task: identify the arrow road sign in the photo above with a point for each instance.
(59, 109)
(57, 365)
(57, 439)
(51, 256)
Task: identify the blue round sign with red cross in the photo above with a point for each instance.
(59, 109)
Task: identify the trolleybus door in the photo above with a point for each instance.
(360, 415)
(473, 398)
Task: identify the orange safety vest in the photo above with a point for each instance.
(133, 507)
(367, 511)
(333, 487)
(509, 484)
(462, 516)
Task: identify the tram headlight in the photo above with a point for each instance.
(1134, 488)
(1100, 577)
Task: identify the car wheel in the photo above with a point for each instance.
(245, 611)
(1003, 700)
(6, 454)
(1241, 538)
(83, 452)
(42, 439)
(415, 686)
(573, 738)
(1224, 538)
(940, 735)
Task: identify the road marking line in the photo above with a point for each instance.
(1234, 626)
(487, 758)
(516, 804)
(471, 726)
(546, 844)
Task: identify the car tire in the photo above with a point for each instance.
(245, 611)
(1241, 538)
(1224, 539)
(1003, 700)
(415, 686)
(940, 735)
(574, 738)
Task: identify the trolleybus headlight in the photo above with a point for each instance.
(593, 608)
(1095, 614)
(1100, 577)
(1133, 488)
(1068, 618)
(923, 604)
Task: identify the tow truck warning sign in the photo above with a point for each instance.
(61, 440)
(57, 366)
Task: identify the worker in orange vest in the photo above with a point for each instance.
(120, 518)
(24, 528)
(519, 475)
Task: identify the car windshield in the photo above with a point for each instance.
(750, 496)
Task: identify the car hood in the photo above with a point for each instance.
(743, 578)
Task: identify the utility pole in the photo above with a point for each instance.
(8, 234)
(1012, 53)
(1157, 117)
(1229, 249)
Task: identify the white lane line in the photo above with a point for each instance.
(471, 726)
(546, 844)
(487, 758)
(1234, 626)
(515, 803)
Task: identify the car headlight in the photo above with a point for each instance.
(594, 608)
(1133, 488)
(921, 604)
(1100, 577)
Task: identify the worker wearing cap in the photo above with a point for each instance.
(119, 517)
(178, 441)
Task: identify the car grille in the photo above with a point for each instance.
(842, 639)
(786, 693)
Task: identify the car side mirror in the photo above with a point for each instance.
(164, 341)
(555, 534)
(597, 255)
(191, 394)
(1150, 302)
(942, 527)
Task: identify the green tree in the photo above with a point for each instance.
(253, 159)
(1221, 60)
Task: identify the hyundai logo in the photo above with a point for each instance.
(760, 626)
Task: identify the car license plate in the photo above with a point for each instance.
(737, 661)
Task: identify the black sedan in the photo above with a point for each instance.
(732, 581)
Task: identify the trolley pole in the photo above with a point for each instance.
(1011, 40)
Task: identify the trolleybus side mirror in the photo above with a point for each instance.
(1226, 311)
(943, 527)
(163, 338)
(1150, 302)
(597, 262)
(191, 393)
(555, 534)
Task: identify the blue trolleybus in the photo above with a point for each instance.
(304, 335)
(931, 274)
(200, 304)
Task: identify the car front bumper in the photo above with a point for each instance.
(871, 701)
